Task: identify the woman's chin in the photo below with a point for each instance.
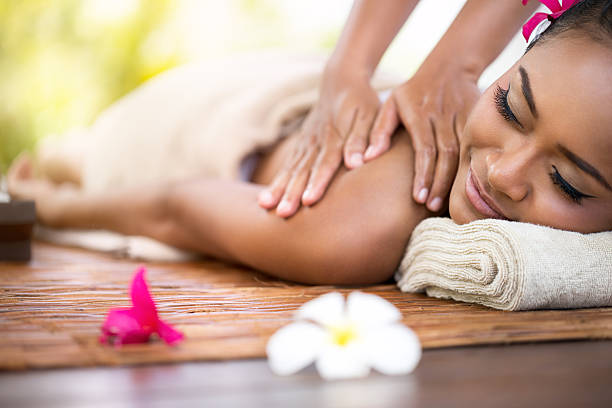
(458, 211)
(458, 218)
(456, 208)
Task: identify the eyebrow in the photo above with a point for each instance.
(526, 88)
(583, 165)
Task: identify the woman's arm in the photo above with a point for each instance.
(480, 32)
(356, 236)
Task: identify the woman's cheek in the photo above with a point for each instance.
(554, 211)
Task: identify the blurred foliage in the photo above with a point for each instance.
(61, 62)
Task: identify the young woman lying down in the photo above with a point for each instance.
(536, 148)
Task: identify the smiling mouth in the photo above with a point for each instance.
(480, 203)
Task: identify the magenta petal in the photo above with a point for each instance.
(168, 333)
(565, 4)
(533, 22)
(123, 327)
(136, 324)
(143, 303)
(553, 5)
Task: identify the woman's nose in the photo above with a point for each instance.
(508, 173)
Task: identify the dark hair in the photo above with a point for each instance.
(592, 17)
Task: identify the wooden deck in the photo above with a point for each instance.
(51, 310)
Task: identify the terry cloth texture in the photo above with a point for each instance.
(508, 265)
(194, 121)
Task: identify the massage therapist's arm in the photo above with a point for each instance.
(434, 103)
(337, 127)
(356, 236)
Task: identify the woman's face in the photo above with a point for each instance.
(538, 145)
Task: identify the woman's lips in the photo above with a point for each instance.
(480, 203)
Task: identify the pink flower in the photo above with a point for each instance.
(136, 324)
(556, 8)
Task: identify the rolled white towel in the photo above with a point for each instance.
(508, 265)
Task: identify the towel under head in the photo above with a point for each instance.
(508, 265)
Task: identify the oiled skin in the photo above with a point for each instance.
(356, 235)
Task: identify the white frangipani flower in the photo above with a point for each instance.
(345, 340)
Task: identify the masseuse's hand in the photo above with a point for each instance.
(335, 130)
(433, 106)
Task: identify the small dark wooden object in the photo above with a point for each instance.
(16, 223)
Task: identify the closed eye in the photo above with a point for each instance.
(501, 102)
(566, 187)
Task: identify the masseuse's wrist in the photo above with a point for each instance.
(348, 67)
(467, 67)
(472, 66)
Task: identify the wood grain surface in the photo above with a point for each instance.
(51, 310)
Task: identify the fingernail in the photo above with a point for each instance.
(369, 152)
(307, 194)
(283, 207)
(266, 198)
(422, 196)
(356, 159)
(435, 204)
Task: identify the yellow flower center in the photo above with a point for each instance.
(342, 335)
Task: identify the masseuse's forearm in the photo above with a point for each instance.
(479, 33)
(370, 28)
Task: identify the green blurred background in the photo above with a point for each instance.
(59, 65)
(63, 61)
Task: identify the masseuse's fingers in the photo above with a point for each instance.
(326, 165)
(446, 163)
(423, 140)
(357, 140)
(269, 197)
(290, 202)
(385, 124)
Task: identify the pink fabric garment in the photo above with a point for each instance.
(138, 323)
(556, 8)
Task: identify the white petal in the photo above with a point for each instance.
(294, 346)
(393, 349)
(369, 310)
(341, 362)
(326, 310)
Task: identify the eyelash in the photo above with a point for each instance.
(566, 187)
(501, 103)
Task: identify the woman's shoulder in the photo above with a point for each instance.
(370, 207)
(382, 188)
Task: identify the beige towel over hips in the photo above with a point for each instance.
(199, 120)
(508, 265)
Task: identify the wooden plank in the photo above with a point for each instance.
(51, 310)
